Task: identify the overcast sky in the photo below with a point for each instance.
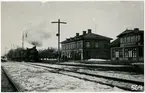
(105, 18)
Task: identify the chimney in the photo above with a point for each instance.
(84, 32)
(34, 47)
(136, 29)
(77, 34)
(67, 39)
(89, 31)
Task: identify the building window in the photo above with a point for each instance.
(132, 39)
(81, 44)
(113, 53)
(73, 45)
(121, 53)
(117, 53)
(138, 37)
(88, 44)
(63, 47)
(69, 46)
(128, 39)
(77, 44)
(130, 53)
(121, 40)
(126, 52)
(124, 39)
(96, 45)
(134, 52)
(66, 46)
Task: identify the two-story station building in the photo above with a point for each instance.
(86, 46)
(129, 45)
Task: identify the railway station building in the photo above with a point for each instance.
(86, 46)
(129, 45)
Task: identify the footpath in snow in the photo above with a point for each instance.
(30, 78)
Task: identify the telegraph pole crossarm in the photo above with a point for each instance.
(58, 34)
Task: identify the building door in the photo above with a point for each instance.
(87, 56)
(82, 55)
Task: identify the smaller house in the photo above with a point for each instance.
(129, 45)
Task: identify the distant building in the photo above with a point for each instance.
(86, 46)
(129, 45)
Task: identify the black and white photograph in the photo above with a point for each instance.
(72, 46)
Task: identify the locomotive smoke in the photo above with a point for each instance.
(36, 43)
(36, 34)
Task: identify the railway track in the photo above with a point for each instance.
(111, 81)
(126, 68)
(15, 87)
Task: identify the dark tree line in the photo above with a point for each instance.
(50, 53)
(15, 54)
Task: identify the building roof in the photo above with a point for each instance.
(96, 36)
(115, 43)
(86, 36)
(127, 31)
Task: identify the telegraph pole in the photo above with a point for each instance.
(5, 50)
(23, 40)
(58, 34)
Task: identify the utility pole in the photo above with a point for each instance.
(23, 40)
(5, 50)
(24, 34)
(58, 34)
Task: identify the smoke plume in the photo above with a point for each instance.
(35, 35)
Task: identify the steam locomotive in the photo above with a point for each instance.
(28, 55)
(31, 54)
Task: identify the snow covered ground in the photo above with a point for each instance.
(117, 74)
(97, 59)
(30, 78)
